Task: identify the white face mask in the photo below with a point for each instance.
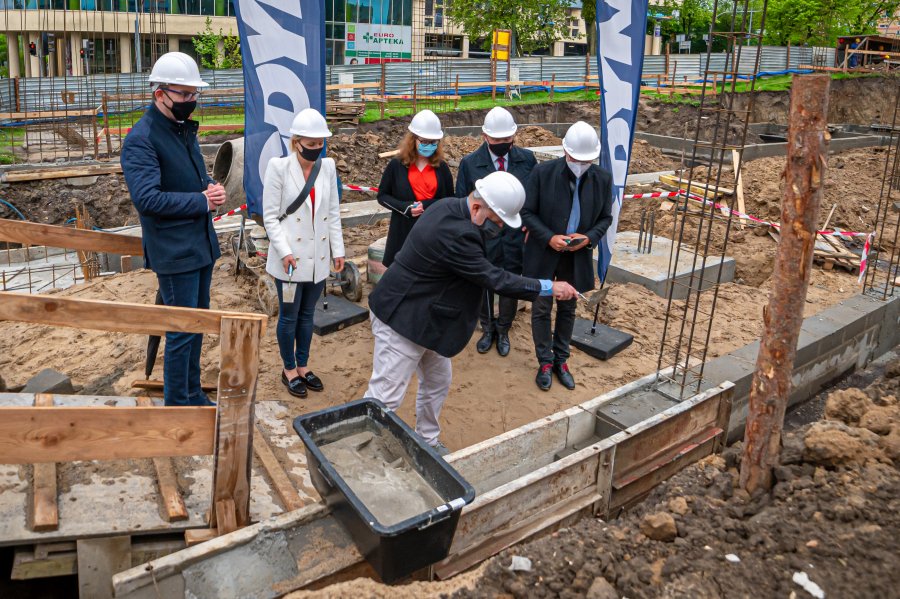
(578, 168)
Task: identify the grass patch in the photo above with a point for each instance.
(473, 102)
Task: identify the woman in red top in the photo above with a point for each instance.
(414, 179)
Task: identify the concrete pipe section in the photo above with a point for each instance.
(228, 169)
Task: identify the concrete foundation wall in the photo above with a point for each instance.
(832, 343)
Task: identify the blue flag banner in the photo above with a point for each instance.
(621, 26)
(283, 50)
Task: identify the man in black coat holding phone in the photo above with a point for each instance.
(426, 305)
(568, 208)
(498, 153)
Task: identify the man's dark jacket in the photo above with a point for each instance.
(432, 292)
(506, 249)
(166, 176)
(548, 203)
(395, 193)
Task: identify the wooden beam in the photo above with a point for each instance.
(110, 316)
(697, 187)
(238, 370)
(18, 176)
(68, 434)
(288, 494)
(336, 86)
(226, 521)
(45, 506)
(195, 536)
(739, 186)
(50, 114)
(173, 504)
(28, 233)
(153, 385)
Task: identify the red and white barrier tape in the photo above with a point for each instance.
(360, 188)
(231, 212)
(864, 259)
(672, 194)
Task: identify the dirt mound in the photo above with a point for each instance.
(53, 201)
(832, 521)
(647, 159)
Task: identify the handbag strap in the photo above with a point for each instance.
(304, 193)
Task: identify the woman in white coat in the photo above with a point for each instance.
(302, 244)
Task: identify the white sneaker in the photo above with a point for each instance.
(441, 449)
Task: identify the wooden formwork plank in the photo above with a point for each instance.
(504, 506)
(226, 521)
(67, 434)
(98, 560)
(112, 316)
(45, 508)
(239, 347)
(526, 527)
(173, 503)
(288, 494)
(28, 233)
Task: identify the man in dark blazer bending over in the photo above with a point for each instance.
(498, 153)
(568, 207)
(426, 305)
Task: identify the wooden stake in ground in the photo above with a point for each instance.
(804, 178)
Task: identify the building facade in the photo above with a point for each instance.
(77, 37)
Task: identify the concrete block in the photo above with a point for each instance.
(728, 368)
(889, 332)
(629, 410)
(748, 353)
(605, 343)
(49, 381)
(652, 270)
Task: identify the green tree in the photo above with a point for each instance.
(216, 50)
(535, 23)
(821, 22)
(589, 14)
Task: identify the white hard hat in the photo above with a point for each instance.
(581, 142)
(426, 125)
(499, 123)
(176, 68)
(310, 123)
(504, 194)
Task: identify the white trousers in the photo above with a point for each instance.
(393, 364)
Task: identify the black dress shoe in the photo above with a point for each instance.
(484, 344)
(313, 383)
(503, 344)
(544, 378)
(296, 386)
(565, 377)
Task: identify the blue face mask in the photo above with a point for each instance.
(426, 150)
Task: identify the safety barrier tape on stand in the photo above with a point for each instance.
(231, 212)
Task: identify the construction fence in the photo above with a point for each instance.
(71, 118)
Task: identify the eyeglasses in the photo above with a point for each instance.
(188, 96)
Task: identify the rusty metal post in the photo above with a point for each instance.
(804, 178)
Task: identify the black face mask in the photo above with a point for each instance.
(490, 229)
(183, 110)
(501, 149)
(310, 154)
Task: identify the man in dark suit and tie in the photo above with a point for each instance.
(426, 305)
(568, 208)
(498, 153)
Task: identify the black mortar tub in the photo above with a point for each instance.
(396, 551)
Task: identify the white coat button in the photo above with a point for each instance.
(323, 257)
(326, 218)
(323, 238)
(298, 219)
(298, 239)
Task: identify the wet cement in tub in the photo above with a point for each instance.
(380, 472)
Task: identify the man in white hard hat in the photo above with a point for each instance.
(498, 153)
(426, 305)
(567, 210)
(174, 197)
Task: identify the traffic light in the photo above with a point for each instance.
(32, 48)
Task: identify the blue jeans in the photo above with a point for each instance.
(295, 323)
(181, 378)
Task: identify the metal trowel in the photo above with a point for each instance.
(289, 289)
(596, 298)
